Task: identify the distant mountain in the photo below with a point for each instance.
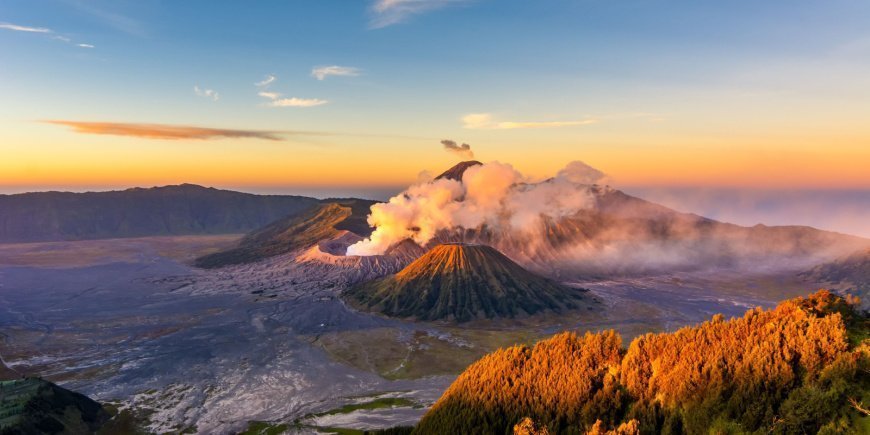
(625, 235)
(36, 406)
(462, 282)
(138, 212)
(298, 231)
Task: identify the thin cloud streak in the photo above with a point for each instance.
(163, 131)
(388, 12)
(297, 102)
(269, 95)
(267, 81)
(43, 30)
(323, 72)
(17, 28)
(485, 121)
(275, 99)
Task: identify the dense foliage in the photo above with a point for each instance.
(799, 368)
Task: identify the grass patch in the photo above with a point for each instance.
(384, 402)
(264, 428)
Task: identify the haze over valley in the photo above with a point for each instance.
(434, 217)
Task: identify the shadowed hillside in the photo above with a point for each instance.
(158, 211)
(35, 406)
(797, 368)
(851, 273)
(462, 282)
(295, 232)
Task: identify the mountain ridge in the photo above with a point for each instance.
(183, 209)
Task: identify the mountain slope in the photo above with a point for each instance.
(462, 282)
(323, 222)
(137, 212)
(792, 369)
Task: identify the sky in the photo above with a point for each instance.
(341, 96)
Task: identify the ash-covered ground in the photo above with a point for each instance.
(128, 321)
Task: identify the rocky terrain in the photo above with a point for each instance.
(263, 338)
(320, 223)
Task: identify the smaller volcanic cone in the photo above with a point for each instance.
(461, 282)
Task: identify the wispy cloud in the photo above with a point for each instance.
(17, 28)
(485, 121)
(388, 12)
(269, 95)
(163, 131)
(266, 81)
(275, 99)
(42, 30)
(297, 102)
(322, 72)
(206, 93)
(463, 150)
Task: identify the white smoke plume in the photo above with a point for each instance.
(493, 194)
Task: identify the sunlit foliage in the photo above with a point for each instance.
(798, 368)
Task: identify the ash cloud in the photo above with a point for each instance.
(494, 195)
(571, 226)
(463, 150)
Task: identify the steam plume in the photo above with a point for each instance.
(493, 194)
(463, 150)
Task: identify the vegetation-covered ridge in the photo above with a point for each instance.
(799, 368)
(462, 282)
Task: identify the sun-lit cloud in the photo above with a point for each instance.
(463, 150)
(266, 81)
(163, 131)
(269, 95)
(206, 93)
(276, 100)
(485, 121)
(322, 72)
(388, 12)
(297, 102)
(17, 28)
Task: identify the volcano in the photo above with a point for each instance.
(462, 282)
(323, 222)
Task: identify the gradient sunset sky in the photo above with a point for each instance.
(357, 95)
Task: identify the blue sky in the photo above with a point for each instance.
(740, 93)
